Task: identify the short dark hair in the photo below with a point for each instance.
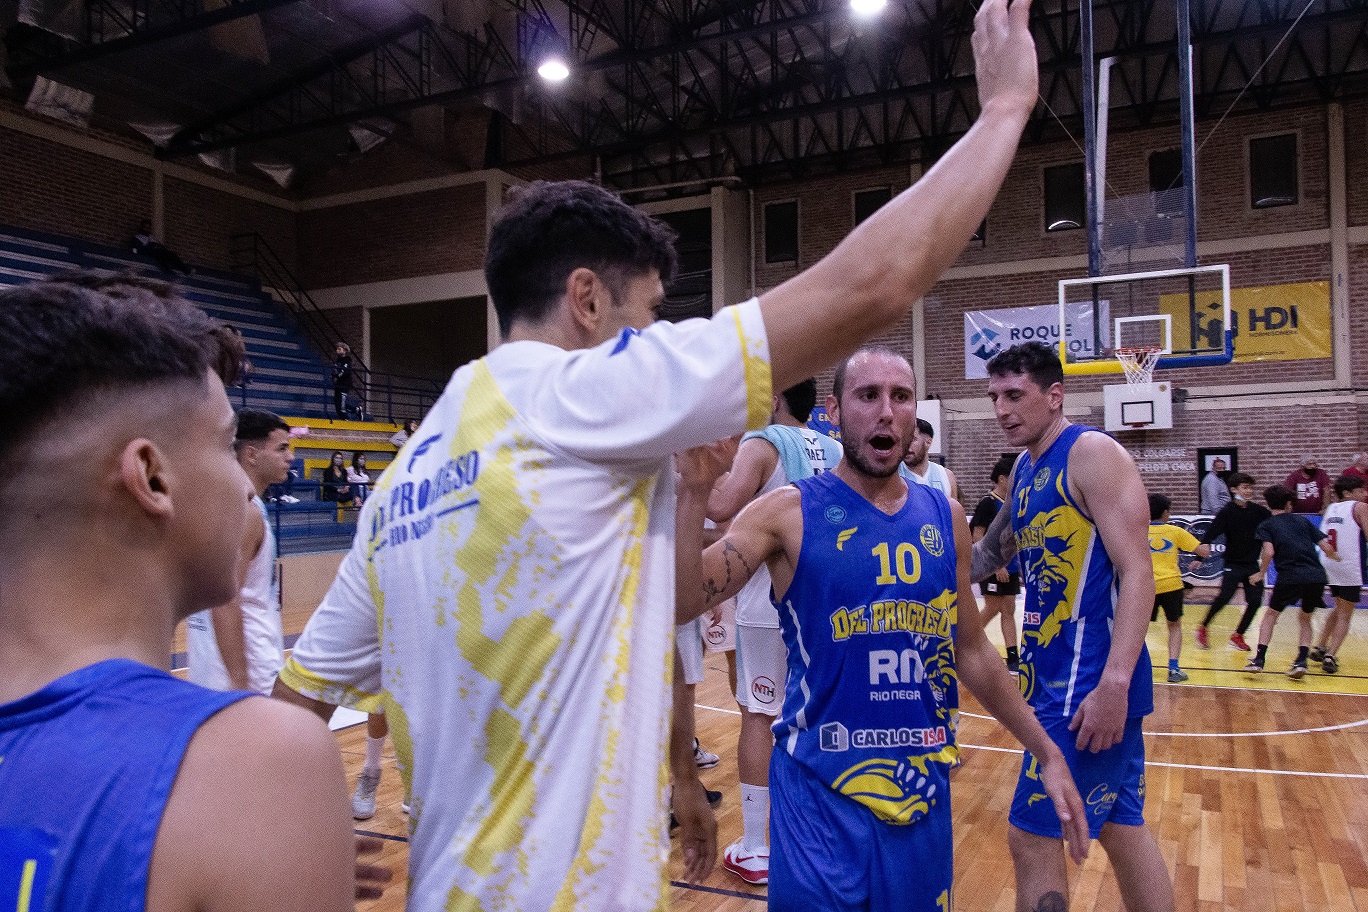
(1003, 466)
(75, 334)
(546, 230)
(1278, 497)
(925, 428)
(254, 425)
(1158, 504)
(801, 398)
(1036, 360)
(1346, 483)
(1235, 479)
(838, 381)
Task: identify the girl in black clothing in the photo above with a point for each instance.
(342, 379)
(335, 486)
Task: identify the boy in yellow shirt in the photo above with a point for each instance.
(1165, 542)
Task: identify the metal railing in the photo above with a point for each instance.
(401, 396)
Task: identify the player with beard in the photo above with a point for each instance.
(867, 572)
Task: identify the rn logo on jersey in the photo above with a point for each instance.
(834, 737)
(762, 688)
(835, 515)
(931, 540)
(1042, 478)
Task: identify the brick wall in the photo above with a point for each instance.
(417, 234)
(53, 187)
(201, 221)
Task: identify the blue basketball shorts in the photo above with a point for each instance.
(1111, 783)
(828, 852)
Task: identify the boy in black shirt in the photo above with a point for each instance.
(1290, 542)
(1237, 521)
(999, 589)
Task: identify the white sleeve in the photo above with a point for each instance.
(337, 657)
(642, 396)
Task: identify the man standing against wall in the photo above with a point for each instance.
(1310, 486)
(1215, 493)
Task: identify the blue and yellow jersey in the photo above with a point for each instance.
(1165, 541)
(1070, 589)
(869, 622)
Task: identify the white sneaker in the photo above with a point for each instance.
(363, 799)
(405, 808)
(704, 759)
(286, 498)
(753, 868)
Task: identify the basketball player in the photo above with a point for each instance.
(1290, 542)
(239, 645)
(1001, 587)
(508, 598)
(1346, 523)
(782, 453)
(917, 467)
(1166, 541)
(866, 572)
(1237, 521)
(1081, 517)
(124, 512)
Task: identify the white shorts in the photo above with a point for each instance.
(721, 637)
(689, 642)
(761, 669)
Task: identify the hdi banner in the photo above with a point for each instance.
(1271, 322)
(987, 332)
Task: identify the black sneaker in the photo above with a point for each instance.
(1317, 654)
(1013, 666)
(1329, 665)
(1297, 671)
(1254, 666)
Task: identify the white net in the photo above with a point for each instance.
(1138, 362)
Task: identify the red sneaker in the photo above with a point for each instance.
(1239, 642)
(1202, 637)
(752, 868)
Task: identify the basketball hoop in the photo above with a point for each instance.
(1138, 362)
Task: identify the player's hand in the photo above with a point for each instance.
(1195, 563)
(700, 467)
(697, 829)
(1101, 717)
(1002, 575)
(1059, 785)
(370, 878)
(1005, 64)
(1256, 578)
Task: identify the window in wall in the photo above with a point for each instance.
(781, 232)
(1166, 180)
(1273, 171)
(867, 202)
(1065, 207)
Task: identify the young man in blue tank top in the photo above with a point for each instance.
(1081, 518)
(122, 787)
(867, 571)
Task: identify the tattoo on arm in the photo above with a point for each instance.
(1051, 902)
(711, 587)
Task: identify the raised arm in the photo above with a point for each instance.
(981, 669)
(1106, 478)
(867, 284)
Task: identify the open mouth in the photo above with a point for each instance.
(882, 444)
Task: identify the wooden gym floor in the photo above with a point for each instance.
(1257, 788)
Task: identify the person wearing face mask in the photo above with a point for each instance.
(1237, 521)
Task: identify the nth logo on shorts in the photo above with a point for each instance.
(762, 688)
(834, 736)
(717, 634)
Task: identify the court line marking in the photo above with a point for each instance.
(1268, 734)
(762, 897)
(1191, 766)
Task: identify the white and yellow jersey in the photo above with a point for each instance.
(509, 601)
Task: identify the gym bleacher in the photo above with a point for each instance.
(288, 375)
